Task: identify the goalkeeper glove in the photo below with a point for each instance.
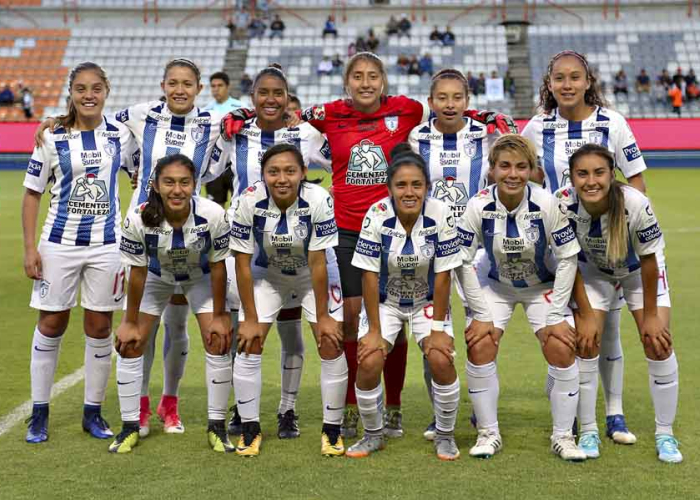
(233, 122)
(493, 121)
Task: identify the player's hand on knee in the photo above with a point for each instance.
(218, 335)
(441, 342)
(248, 332)
(369, 344)
(478, 330)
(588, 334)
(32, 264)
(128, 339)
(655, 333)
(328, 329)
(562, 332)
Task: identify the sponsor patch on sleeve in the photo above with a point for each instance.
(326, 228)
(123, 115)
(314, 113)
(221, 242)
(368, 248)
(216, 154)
(240, 231)
(564, 235)
(632, 152)
(651, 233)
(466, 237)
(326, 150)
(130, 246)
(34, 168)
(447, 248)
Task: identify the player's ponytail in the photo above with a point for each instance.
(401, 155)
(153, 214)
(67, 121)
(593, 96)
(617, 232)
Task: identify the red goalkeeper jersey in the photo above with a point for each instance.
(360, 146)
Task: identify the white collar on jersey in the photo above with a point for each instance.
(501, 206)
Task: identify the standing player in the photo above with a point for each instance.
(574, 113)
(620, 238)
(78, 246)
(407, 247)
(361, 131)
(281, 228)
(521, 226)
(175, 241)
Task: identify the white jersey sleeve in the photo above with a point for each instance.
(221, 231)
(241, 216)
(645, 232)
(367, 254)
(319, 150)
(562, 237)
(413, 138)
(469, 231)
(628, 157)
(39, 167)
(325, 231)
(447, 249)
(220, 156)
(133, 243)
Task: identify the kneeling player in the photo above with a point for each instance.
(175, 240)
(281, 228)
(407, 248)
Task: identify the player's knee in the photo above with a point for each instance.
(97, 325)
(483, 352)
(371, 366)
(53, 324)
(328, 350)
(558, 354)
(441, 366)
(130, 351)
(289, 314)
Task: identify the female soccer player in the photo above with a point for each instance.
(362, 130)
(174, 241)
(521, 226)
(78, 246)
(281, 228)
(270, 96)
(407, 247)
(573, 113)
(620, 236)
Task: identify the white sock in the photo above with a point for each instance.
(612, 363)
(663, 383)
(563, 391)
(98, 366)
(218, 373)
(291, 363)
(42, 366)
(129, 375)
(445, 405)
(428, 378)
(588, 385)
(370, 404)
(484, 390)
(176, 345)
(149, 355)
(334, 385)
(247, 384)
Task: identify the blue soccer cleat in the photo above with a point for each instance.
(617, 430)
(667, 449)
(38, 429)
(94, 424)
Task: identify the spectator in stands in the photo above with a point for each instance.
(690, 78)
(676, 95)
(413, 66)
(509, 84)
(293, 104)
(402, 63)
(337, 65)
(277, 27)
(620, 84)
(480, 88)
(27, 103)
(361, 45)
(448, 38)
(404, 26)
(352, 49)
(665, 79)
(246, 83)
(472, 81)
(392, 26)
(372, 41)
(329, 28)
(7, 98)
(325, 66)
(643, 85)
(691, 86)
(256, 28)
(679, 78)
(436, 36)
(219, 84)
(425, 65)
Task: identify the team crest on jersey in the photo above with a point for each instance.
(110, 148)
(197, 133)
(301, 231)
(199, 244)
(63, 152)
(428, 250)
(595, 137)
(532, 234)
(89, 197)
(367, 165)
(44, 288)
(469, 148)
(391, 123)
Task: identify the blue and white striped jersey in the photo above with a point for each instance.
(177, 255)
(519, 244)
(645, 236)
(407, 263)
(556, 139)
(246, 149)
(458, 163)
(160, 133)
(82, 166)
(281, 241)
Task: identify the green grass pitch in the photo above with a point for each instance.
(73, 465)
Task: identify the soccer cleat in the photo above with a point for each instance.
(95, 424)
(368, 444)
(565, 447)
(446, 447)
(250, 440)
(331, 441)
(126, 439)
(667, 449)
(617, 430)
(167, 412)
(348, 429)
(287, 427)
(235, 428)
(218, 438)
(429, 432)
(488, 443)
(144, 415)
(38, 428)
(392, 423)
(589, 443)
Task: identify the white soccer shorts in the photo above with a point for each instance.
(96, 269)
(502, 300)
(157, 293)
(392, 319)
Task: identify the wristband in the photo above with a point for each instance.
(438, 326)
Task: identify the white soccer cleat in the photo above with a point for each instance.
(565, 447)
(488, 443)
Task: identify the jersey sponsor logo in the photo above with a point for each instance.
(554, 125)
(239, 231)
(407, 261)
(130, 246)
(632, 152)
(517, 269)
(388, 231)
(367, 165)
(594, 244)
(175, 139)
(326, 228)
(651, 233)
(159, 230)
(282, 240)
(573, 145)
(261, 212)
(380, 207)
(428, 250)
(202, 228)
(89, 197)
(368, 248)
(450, 158)
(466, 237)
(301, 231)
(564, 235)
(91, 158)
(450, 191)
(123, 115)
(216, 154)
(493, 215)
(532, 216)
(428, 231)
(34, 168)
(249, 133)
(513, 245)
(221, 242)
(449, 247)
(391, 123)
(301, 212)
